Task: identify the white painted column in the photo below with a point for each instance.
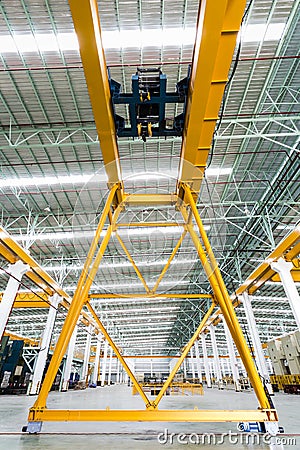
(232, 356)
(184, 368)
(41, 360)
(283, 268)
(69, 360)
(198, 364)
(97, 359)
(205, 360)
(259, 354)
(192, 362)
(269, 362)
(109, 367)
(151, 363)
(222, 367)
(216, 356)
(104, 362)
(16, 271)
(87, 351)
(118, 372)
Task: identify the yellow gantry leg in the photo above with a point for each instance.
(80, 296)
(215, 278)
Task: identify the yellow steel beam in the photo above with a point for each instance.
(150, 199)
(26, 339)
(182, 415)
(289, 246)
(29, 304)
(183, 355)
(87, 26)
(137, 271)
(293, 253)
(30, 300)
(150, 296)
(80, 297)
(149, 224)
(294, 272)
(36, 273)
(217, 29)
(6, 253)
(175, 250)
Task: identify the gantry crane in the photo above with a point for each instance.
(217, 29)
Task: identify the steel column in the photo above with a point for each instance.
(97, 360)
(184, 369)
(109, 367)
(16, 270)
(259, 354)
(87, 351)
(205, 360)
(118, 372)
(69, 360)
(44, 348)
(232, 357)
(216, 356)
(284, 270)
(192, 363)
(104, 362)
(196, 346)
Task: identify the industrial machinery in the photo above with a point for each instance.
(147, 105)
(285, 355)
(14, 372)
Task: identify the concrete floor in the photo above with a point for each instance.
(94, 435)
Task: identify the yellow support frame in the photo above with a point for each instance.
(217, 29)
(39, 412)
(288, 248)
(87, 26)
(216, 35)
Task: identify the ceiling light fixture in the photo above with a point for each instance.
(49, 42)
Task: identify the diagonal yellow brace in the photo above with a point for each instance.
(119, 356)
(137, 271)
(80, 296)
(184, 354)
(169, 261)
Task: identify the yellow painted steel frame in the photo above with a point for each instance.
(217, 29)
(39, 412)
(87, 26)
(288, 248)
